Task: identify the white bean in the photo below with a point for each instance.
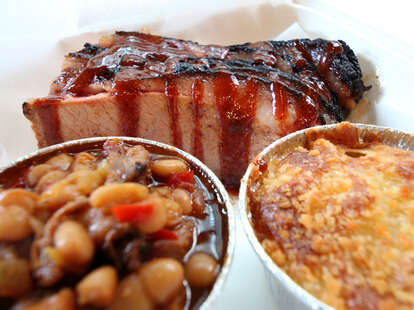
(19, 197)
(61, 161)
(98, 287)
(112, 194)
(15, 277)
(14, 224)
(158, 218)
(131, 295)
(184, 199)
(62, 300)
(73, 242)
(84, 161)
(165, 167)
(162, 279)
(37, 172)
(49, 179)
(201, 269)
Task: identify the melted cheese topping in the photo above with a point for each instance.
(340, 222)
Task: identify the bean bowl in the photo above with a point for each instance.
(114, 223)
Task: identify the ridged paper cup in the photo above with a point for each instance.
(289, 295)
(210, 180)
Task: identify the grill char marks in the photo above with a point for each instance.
(259, 91)
(88, 51)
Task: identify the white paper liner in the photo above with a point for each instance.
(29, 75)
(3, 155)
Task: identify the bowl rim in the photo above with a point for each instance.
(213, 181)
(297, 291)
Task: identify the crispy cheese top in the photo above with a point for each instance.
(340, 222)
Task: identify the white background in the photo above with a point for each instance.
(36, 34)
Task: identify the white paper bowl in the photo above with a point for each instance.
(209, 179)
(288, 295)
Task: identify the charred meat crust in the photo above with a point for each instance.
(242, 59)
(349, 71)
(26, 109)
(338, 112)
(89, 50)
(345, 65)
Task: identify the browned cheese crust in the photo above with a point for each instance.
(340, 222)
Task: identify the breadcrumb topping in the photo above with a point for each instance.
(340, 222)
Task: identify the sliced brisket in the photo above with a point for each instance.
(221, 103)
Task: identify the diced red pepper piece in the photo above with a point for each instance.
(164, 234)
(137, 212)
(177, 178)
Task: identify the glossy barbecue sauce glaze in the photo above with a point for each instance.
(332, 49)
(197, 96)
(237, 113)
(127, 96)
(210, 232)
(132, 59)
